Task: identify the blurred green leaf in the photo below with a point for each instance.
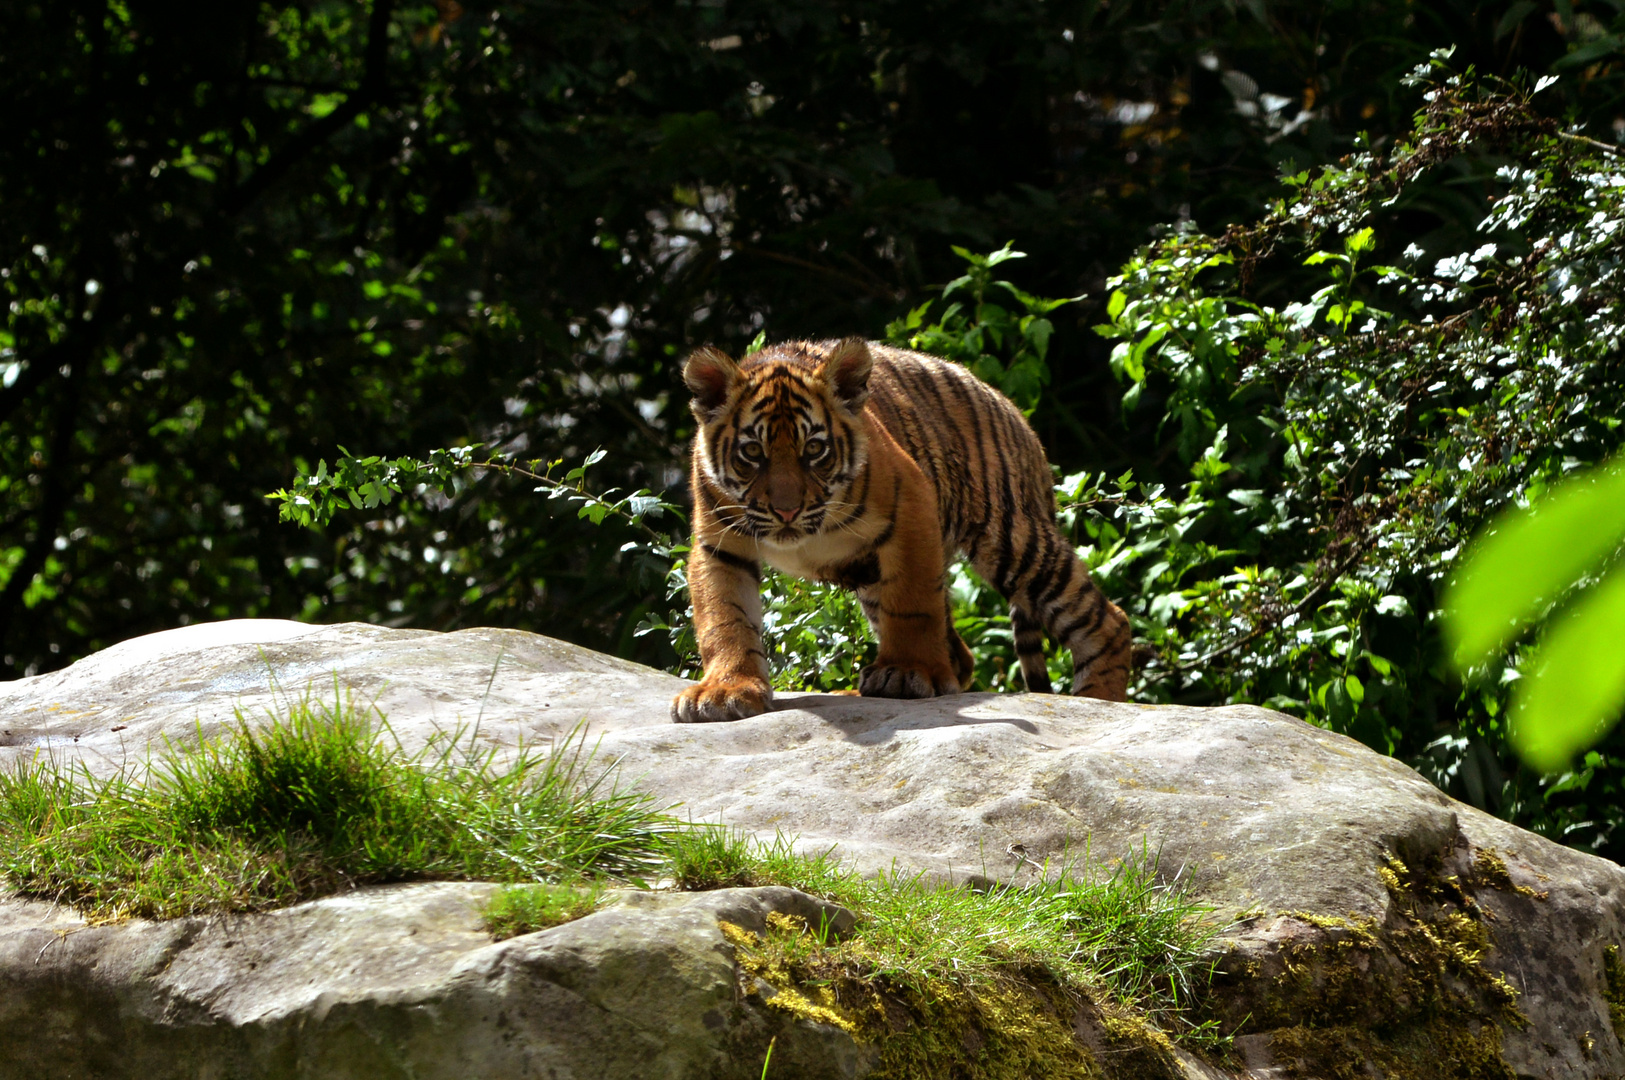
(1527, 557)
(1577, 690)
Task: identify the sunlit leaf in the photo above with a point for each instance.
(323, 104)
(997, 257)
(639, 505)
(1527, 558)
(1578, 687)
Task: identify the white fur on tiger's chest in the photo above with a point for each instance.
(807, 557)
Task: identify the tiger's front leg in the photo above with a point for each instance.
(906, 606)
(727, 593)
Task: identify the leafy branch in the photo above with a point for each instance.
(365, 483)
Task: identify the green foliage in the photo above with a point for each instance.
(307, 804)
(975, 331)
(1342, 441)
(1530, 556)
(1526, 559)
(236, 239)
(815, 635)
(1576, 690)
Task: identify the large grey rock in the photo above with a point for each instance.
(398, 982)
(1264, 815)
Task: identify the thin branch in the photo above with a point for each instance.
(1105, 500)
(1313, 597)
(1607, 148)
(555, 484)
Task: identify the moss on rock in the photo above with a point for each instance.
(1347, 1052)
(1019, 1025)
(1408, 997)
(1490, 870)
(1613, 975)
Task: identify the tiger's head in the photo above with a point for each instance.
(781, 435)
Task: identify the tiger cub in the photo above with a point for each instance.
(873, 468)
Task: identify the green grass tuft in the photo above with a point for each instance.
(312, 802)
(1119, 932)
(525, 909)
(706, 856)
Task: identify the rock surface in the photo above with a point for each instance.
(1309, 834)
(397, 981)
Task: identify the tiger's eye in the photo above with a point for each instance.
(813, 449)
(751, 452)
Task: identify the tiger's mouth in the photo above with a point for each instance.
(772, 528)
(786, 534)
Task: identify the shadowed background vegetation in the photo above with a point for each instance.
(240, 237)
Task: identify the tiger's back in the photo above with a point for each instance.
(968, 438)
(996, 500)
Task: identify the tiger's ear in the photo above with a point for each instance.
(710, 374)
(846, 372)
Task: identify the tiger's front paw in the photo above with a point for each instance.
(907, 680)
(723, 698)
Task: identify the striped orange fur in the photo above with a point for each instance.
(874, 468)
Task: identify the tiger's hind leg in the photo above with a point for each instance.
(1101, 642)
(1035, 568)
(1095, 630)
(1029, 639)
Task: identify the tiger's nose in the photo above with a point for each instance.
(788, 515)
